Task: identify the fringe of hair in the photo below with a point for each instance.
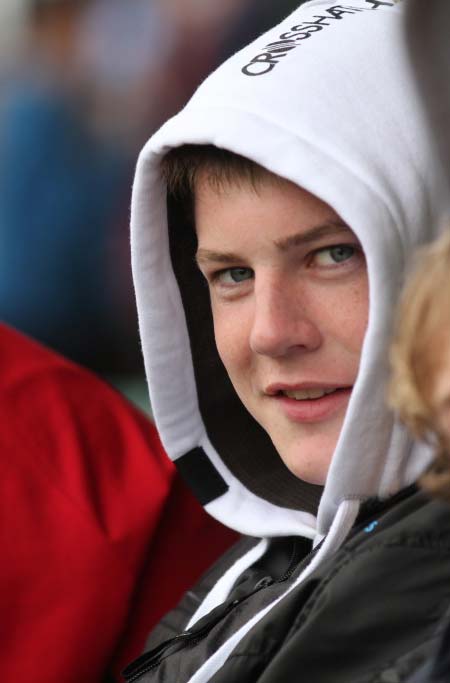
(423, 323)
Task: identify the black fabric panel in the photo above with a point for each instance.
(201, 476)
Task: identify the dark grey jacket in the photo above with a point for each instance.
(370, 614)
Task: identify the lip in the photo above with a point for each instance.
(274, 389)
(310, 410)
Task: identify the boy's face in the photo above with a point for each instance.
(289, 297)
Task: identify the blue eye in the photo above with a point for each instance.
(333, 255)
(341, 252)
(235, 275)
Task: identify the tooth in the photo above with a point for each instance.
(305, 394)
(315, 393)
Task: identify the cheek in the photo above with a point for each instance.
(354, 314)
(231, 339)
(344, 316)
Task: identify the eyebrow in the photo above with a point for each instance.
(327, 229)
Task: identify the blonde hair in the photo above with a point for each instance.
(418, 350)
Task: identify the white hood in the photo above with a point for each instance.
(325, 100)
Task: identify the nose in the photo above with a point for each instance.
(281, 322)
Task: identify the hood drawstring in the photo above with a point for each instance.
(222, 588)
(343, 522)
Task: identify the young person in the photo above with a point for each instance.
(420, 392)
(272, 221)
(420, 389)
(421, 380)
(420, 352)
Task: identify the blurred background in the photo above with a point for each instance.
(83, 84)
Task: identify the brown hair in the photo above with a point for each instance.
(182, 166)
(421, 337)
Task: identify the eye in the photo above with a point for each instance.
(233, 276)
(331, 256)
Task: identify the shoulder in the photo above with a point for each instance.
(72, 431)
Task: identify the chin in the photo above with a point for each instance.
(312, 469)
(307, 454)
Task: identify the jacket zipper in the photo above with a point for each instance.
(293, 563)
(152, 659)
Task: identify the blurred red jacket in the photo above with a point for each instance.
(99, 537)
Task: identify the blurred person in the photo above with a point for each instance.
(272, 222)
(150, 77)
(123, 52)
(420, 392)
(420, 387)
(421, 383)
(11, 21)
(198, 31)
(422, 370)
(95, 520)
(62, 198)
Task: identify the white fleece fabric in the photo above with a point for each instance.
(326, 100)
(219, 593)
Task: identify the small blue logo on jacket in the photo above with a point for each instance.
(371, 527)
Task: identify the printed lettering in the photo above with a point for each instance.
(301, 35)
(280, 46)
(282, 50)
(320, 20)
(377, 3)
(337, 12)
(261, 64)
(307, 31)
(289, 35)
(267, 60)
(304, 35)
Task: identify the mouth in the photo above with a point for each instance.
(310, 403)
(306, 394)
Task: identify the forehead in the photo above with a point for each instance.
(263, 185)
(268, 208)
